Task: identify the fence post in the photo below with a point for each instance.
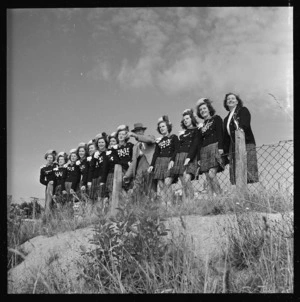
(117, 188)
(240, 163)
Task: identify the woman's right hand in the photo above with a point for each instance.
(83, 188)
(199, 163)
(150, 169)
(89, 184)
(64, 192)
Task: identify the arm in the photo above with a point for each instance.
(194, 146)
(104, 169)
(148, 139)
(85, 174)
(76, 178)
(245, 119)
(155, 155)
(175, 147)
(91, 169)
(219, 132)
(64, 177)
(42, 177)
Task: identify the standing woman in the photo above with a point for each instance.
(82, 154)
(209, 145)
(124, 151)
(98, 167)
(183, 167)
(72, 175)
(47, 178)
(59, 172)
(113, 159)
(164, 154)
(239, 117)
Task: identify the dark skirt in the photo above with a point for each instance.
(211, 158)
(179, 168)
(252, 168)
(109, 182)
(161, 168)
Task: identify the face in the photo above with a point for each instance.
(101, 144)
(122, 135)
(73, 157)
(204, 111)
(112, 141)
(163, 128)
(92, 149)
(61, 161)
(81, 152)
(231, 101)
(50, 159)
(140, 131)
(187, 121)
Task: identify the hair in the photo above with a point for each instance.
(211, 109)
(240, 102)
(69, 157)
(104, 137)
(190, 113)
(169, 126)
(85, 151)
(51, 152)
(63, 156)
(115, 137)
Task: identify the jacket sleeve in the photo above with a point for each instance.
(92, 165)
(219, 131)
(129, 173)
(63, 181)
(155, 155)
(245, 119)
(148, 139)
(42, 177)
(175, 147)
(194, 147)
(85, 174)
(76, 180)
(226, 137)
(104, 169)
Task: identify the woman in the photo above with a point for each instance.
(163, 157)
(183, 167)
(98, 167)
(208, 145)
(113, 159)
(72, 175)
(124, 151)
(82, 154)
(47, 178)
(239, 117)
(59, 172)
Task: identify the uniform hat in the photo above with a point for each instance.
(91, 142)
(113, 134)
(123, 127)
(62, 154)
(138, 126)
(101, 135)
(200, 101)
(187, 111)
(81, 145)
(52, 152)
(164, 118)
(72, 151)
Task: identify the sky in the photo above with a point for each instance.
(73, 73)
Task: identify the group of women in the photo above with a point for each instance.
(201, 148)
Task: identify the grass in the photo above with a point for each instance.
(134, 255)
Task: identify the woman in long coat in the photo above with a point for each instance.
(239, 117)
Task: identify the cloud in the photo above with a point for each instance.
(100, 71)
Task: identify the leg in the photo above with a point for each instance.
(212, 173)
(48, 199)
(167, 188)
(209, 185)
(189, 191)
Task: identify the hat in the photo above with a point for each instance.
(101, 135)
(62, 154)
(200, 101)
(138, 126)
(90, 143)
(123, 127)
(113, 134)
(82, 145)
(187, 111)
(72, 151)
(52, 152)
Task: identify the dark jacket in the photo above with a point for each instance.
(59, 173)
(72, 175)
(243, 117)
(84, 170)
(98, 166)
(47, 174)
(211, 132)
(125, 155)
(112, 158)
(166, 147)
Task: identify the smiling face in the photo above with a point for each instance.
(101, 144)
(187, 121)
(231, 101)
(81, 152)
(61, 161)
(204, 111)
(73, 157)
(50, 159)
(122, 135)
(92, 149)
(163, 128)
(112, 142)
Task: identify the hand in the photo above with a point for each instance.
(186, 162)
(171, 164)
(89, 184)
(131, 134)
(83, 188)
(125, 179)
(101, 183)
(150, 169)
(221, 151)
(64, 192)
(72, 191)
(199, 163)
(51, 182)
